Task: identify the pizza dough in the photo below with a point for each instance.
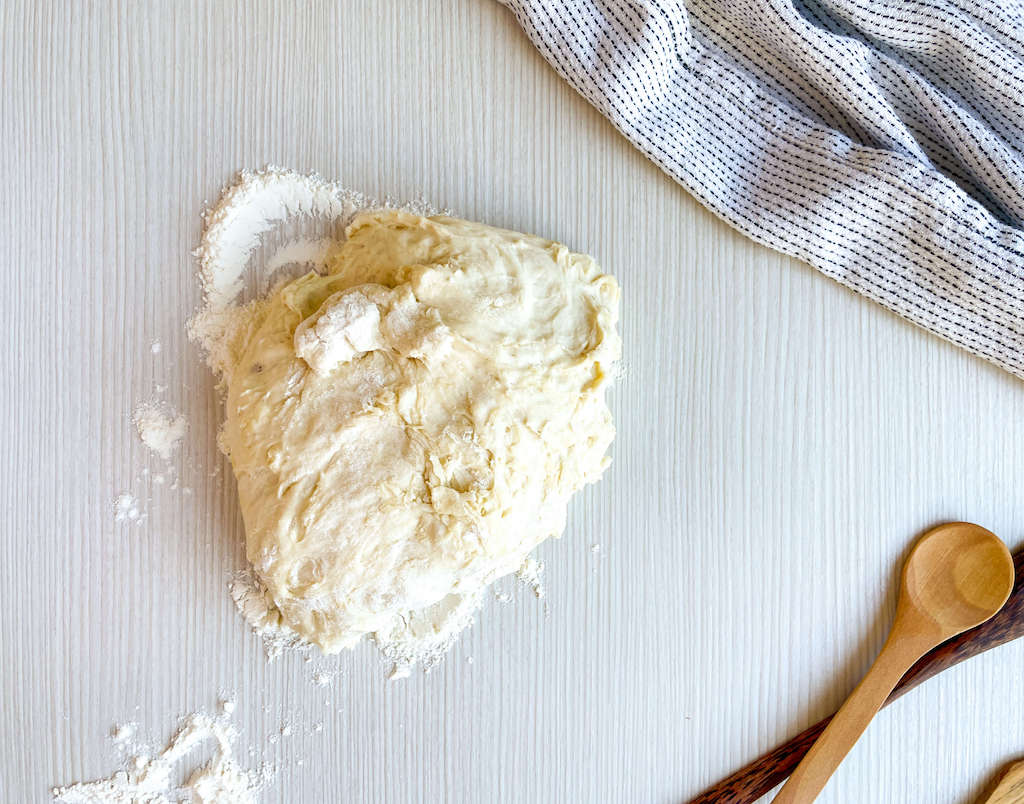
(408, 427)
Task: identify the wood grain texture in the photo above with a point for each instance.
(780, 439)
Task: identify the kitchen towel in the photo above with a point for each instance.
(883, 143)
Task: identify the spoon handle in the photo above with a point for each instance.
(757, 779)
(849, 723)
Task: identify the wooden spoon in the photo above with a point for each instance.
(750, 783)
(957, 576)
(1008, 788)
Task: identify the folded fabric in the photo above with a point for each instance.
(881, 143)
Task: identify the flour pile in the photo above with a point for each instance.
(407, 425)
(126, 508)
(159, 427)
(150, 777)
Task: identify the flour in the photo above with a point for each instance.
(261, 614)
(159, 427)
(313, 254)
(149, 775)
(124, 732)
(423, 638)
(530, 573)
(126, 508)
(253, 207)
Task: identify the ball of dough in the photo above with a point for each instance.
(408, 427)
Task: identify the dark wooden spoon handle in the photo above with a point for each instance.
(760, 776)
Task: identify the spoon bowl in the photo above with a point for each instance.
(958, 575)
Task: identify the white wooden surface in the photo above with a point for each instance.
(781, 441)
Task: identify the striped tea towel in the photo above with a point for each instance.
(882, 142)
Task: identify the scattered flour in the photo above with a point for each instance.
(530, 574)
(150, 775)
(124, 732)
(424, 637)
(126, 508)
(251, 208)
(312, 253)
(159, 427)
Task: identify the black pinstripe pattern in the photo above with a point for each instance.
(882, 144)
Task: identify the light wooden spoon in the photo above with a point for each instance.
(1008, 788)
(958, 575)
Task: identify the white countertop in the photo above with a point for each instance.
(781, 440)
